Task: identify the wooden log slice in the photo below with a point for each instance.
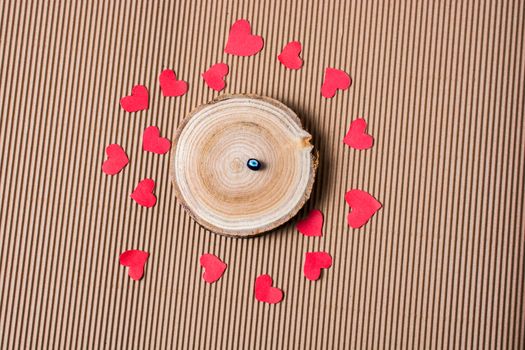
(209, 165)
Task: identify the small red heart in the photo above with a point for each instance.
(312, 225)
(135, 261)
(214, 76)
(117, 160)
(143, 193)
(213, 267)
(170, 86)
(362, 206)
(265, 292)
(241, 42)
(356, 136)
(137, 101)
(314, 262)
(152, 142)
(334, 79)
(289, 56)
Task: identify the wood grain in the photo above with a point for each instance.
(209, 168)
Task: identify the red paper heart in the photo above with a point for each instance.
(289, 56)
(117, 160)
(137, 101)
(169, 84)
(143, 193)
(214, 76)
(265, 292)
(135, 261)
(152, 142)
(314, 262)
(334, 79)
(213, 267)
(356, 136)
(241, 42)
(312, 225)
(362, 206)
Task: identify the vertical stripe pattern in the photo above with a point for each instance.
(441, 84)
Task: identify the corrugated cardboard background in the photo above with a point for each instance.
(441, 84)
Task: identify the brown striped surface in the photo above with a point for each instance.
(441, 84)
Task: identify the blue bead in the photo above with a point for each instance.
(253, 164)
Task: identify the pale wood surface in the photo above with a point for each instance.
(209, 172)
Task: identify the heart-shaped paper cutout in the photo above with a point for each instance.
(265, 292)
(135, 261)
(334, 79)
(357, 137)
(314, 262)
(312, 225)
(214, 76)
(143, 193)
(289, 56)
(170, 86)
(117, 159)
(241, 41)
(152, 142)
(362, 207)
(137, 101)
(213, 267)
